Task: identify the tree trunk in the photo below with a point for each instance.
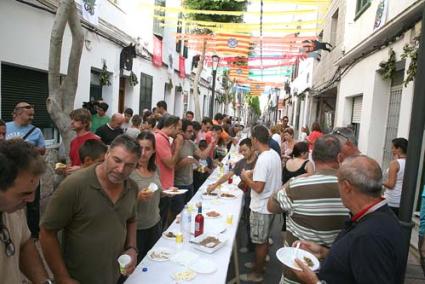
(196, 82)
(62, 94)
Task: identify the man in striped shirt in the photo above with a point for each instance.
(312, 203)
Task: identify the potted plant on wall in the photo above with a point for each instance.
(132, 80)
(104, 76)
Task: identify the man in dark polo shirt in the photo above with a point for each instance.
(368, 249)
(96, 209)
(112, 129)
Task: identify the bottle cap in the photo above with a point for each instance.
(144, 269)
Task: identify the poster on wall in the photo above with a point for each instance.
(90, 10)
(381, 14)
(157, 51)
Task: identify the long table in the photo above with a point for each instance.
(149, 271)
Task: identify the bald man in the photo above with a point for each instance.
(112, 129)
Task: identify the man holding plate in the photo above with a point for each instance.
(368, 249)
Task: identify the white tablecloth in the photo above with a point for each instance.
(160, 272)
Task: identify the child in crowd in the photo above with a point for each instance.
(202, 172)
(91, 152)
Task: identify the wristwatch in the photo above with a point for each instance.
(48, 281)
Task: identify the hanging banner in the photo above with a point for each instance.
(90, 10)
(381, 14)
(157, 51)
(182, 67)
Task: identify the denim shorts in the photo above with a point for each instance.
(261, 225)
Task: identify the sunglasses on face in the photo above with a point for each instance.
(337, 132)
(5, 238)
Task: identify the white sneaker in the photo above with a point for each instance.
(243, 250)
(251, 277)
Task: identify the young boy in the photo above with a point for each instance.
(200, 176)
(92, 151)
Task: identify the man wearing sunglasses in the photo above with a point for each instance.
(21, 127)
(21, 167)
(348, 142)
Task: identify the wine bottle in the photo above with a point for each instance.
(199, 222)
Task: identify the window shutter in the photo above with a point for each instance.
(357, 109)
(25, 85)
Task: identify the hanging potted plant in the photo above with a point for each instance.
(104, 76)
(132, 80)
(179, 88)
(410, 51)
(387, 68)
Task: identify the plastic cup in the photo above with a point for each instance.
(229, 219)
(124, 260)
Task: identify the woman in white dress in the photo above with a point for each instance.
(395, 174)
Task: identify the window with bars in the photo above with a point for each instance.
(361, 6)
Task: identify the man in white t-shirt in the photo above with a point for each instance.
(264, 181)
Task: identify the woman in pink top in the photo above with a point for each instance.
(315, 133)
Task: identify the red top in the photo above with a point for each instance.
(163, 151)
(313, 137)
(76, 144)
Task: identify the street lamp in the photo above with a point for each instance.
(215, 61)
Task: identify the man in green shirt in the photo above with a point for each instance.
(100, 118)
(96, 209)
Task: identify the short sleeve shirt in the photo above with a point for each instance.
(147, 211)
(163, 151)
(268, 169)
(16, 223)
(97, 121)
(243, 165)
(184, 175)
(36, 137)
(94, 228)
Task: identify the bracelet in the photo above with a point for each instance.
(131, 247)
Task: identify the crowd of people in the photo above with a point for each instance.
(335, 202)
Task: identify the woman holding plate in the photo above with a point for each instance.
(147, 178)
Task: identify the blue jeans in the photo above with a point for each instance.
(178, 202)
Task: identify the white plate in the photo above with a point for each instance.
(217, 229)
(178, 192)
(160, 254)
(228, 198)
(199, 239)
(203, 266)
(164, 235)
(286, 255)
(183, 275)
(185, 258)
(209, 197)
(210, 217)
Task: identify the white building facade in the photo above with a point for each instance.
(25, 29)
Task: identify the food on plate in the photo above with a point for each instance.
(186, 275)
(60, 166)
(174, 189)
(160, 255)
(213, 214)
(170, 235)
(228, 195)
(210, 242)
(210, 193)
(308, 261)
